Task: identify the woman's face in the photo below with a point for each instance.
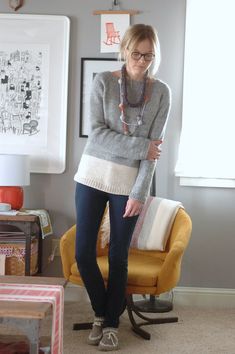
(137, 63)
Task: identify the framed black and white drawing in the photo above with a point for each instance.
(33, 89)
(89, 68)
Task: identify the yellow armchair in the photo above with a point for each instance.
(149, 272)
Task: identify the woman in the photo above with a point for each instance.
(129, 110)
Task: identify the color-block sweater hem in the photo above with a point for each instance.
(105, 188)
(106, 175)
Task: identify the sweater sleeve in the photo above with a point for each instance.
(141, 188)
(135, 148)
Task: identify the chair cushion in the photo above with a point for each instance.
(143, 270)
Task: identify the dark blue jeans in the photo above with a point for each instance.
(90, 205)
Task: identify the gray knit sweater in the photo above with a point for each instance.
(107, 140)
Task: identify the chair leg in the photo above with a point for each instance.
(131, 308)
(81, 326)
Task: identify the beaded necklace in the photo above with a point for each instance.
(124, 102)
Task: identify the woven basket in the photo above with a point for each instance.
(15, 262)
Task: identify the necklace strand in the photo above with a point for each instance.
(145, 96)
(124, 89)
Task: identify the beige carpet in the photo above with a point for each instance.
(199, 331)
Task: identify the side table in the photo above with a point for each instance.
(30, 225)
(27, 314)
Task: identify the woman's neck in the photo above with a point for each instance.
(129, 76)
(134, 76)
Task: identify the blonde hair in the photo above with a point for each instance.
(136, 34)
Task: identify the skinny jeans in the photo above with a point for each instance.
(108, 302)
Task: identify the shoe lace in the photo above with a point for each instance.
(112, 337)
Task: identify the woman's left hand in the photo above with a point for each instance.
(133, 208)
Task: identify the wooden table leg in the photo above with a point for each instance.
(28, 240)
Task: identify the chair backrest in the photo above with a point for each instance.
(181, 223)
(181, 229)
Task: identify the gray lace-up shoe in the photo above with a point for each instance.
(109, 340)
(96, 332)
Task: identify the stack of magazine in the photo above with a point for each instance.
(13, 237)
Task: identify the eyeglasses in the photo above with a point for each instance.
(138, 56)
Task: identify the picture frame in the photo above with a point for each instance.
(113, 28)
(89, 68)
(34, 88)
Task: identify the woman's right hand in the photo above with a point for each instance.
(154, 150)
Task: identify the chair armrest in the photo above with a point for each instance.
(67, 250)
(170, 271)
(179, 238)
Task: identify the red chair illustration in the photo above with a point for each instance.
(113, 36)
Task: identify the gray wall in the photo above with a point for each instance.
(209, 260)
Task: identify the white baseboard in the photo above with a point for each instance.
(183, 296)
(209, 297)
